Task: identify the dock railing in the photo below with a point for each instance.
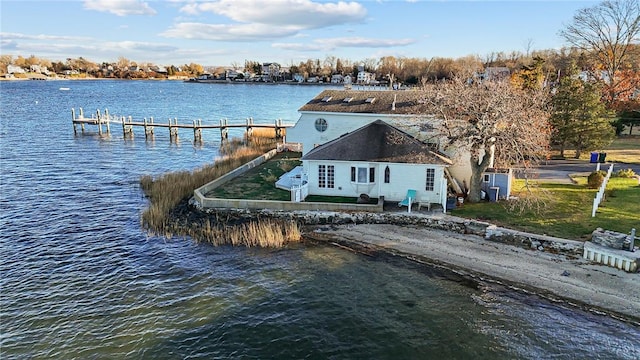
(128, 124)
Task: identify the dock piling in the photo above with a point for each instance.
(224, 130)
(197, 131)
(106, 114)
(73, 121)
(99, 121)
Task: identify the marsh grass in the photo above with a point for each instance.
(167, 192)
(261, 233)
(567, 211)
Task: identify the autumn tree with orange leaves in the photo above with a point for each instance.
(609, 30)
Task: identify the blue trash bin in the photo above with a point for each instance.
(594, 157)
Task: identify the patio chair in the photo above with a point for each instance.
(409, 199)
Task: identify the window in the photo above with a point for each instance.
(326, 176)
(331, 176)
(387, 175)
(322, 176)
(363, 175)
(486, 178)
(321, 124)
(431, 178)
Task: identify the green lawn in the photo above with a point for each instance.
(258, 183)
(567, 212)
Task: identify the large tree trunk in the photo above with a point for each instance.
(477, 169)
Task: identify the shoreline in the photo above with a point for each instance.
(559, 278)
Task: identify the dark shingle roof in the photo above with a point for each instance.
(379, 142)
(406, 102)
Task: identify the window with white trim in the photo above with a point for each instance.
(431, 179)
(387, 175)
(363, 175)
(326, 176)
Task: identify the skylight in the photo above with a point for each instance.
(326, 99)
(347, 99)
(370, 100)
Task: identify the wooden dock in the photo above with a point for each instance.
(104, 121)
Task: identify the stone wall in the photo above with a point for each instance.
(439, 222)
(611, 239)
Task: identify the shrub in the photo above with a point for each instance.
(625, 173)
(595, 179)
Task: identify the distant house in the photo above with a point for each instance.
(495, 73)
(377, 160)
(39, 69)
(232, 74)
(12, 69)
(270, 70)
(337, 79)
(365, 77)
(297, 77)
(333, 113)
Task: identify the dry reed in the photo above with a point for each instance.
(260, 233)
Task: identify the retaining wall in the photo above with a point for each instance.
(204, 202)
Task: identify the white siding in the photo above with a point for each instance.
(402, 178)
(338, 124)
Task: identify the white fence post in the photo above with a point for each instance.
(600, 193)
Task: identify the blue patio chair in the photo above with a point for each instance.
(409, 199)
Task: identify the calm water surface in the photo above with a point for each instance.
(79, 278)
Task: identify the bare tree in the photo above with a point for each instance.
(491, 118)
(608, 29)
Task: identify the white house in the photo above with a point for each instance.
(365, 77)
(333, 113)
(377, 160)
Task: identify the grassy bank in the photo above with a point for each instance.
(168, 194)
(567, 210)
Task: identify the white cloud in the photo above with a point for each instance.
(18, 36)
(7, 45)
(139, 46)
(220, 32)
(256, 20)
(300, 47)
(120, 7)
(344, 42)
(368, 42)
(303, 14)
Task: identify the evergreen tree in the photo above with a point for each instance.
(579, 117)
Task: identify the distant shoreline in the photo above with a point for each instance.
(295, 83)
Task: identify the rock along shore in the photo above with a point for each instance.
(551, 267)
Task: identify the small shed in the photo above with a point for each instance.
(496, 183)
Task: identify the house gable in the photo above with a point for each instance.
(378, 142)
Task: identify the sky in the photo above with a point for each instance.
(228, 32)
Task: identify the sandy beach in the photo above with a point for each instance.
(593, 287)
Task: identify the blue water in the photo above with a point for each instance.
(80, 278)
